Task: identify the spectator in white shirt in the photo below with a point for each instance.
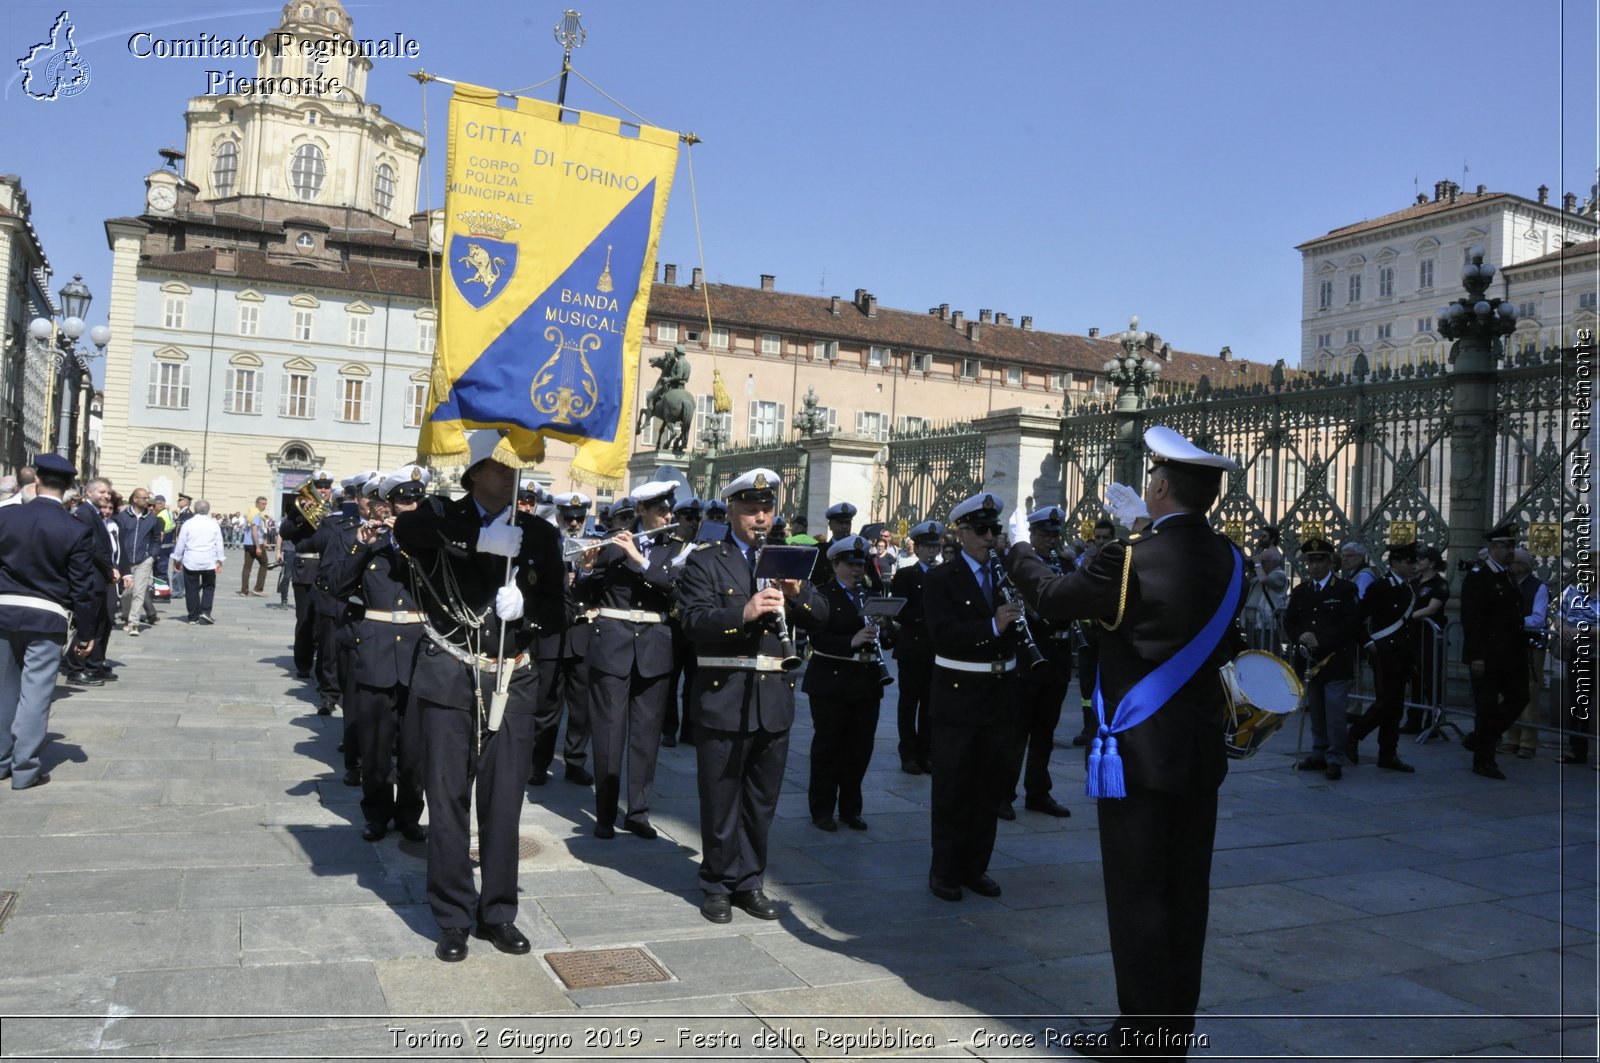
(198, 555)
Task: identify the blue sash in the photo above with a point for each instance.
(1152, 692)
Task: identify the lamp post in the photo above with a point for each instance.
(1132, 374)
(808, 421)
(59, 343)
(184, 465)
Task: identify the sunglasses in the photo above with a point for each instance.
(987, 529)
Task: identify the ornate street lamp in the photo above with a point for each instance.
(184, 465)
(60, 344)
(1131, 372)
(810, 419)
(1477, 317)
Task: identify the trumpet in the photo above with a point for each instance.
(791, 659)
(573, 547)
(1003, 586)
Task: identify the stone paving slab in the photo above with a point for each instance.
(1387, 892)
(51, 945)
(80, 892)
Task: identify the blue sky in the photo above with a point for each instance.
(1073, 161)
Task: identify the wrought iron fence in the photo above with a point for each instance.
(928, 471)
(709, 472)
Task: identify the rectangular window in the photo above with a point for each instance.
(353, 399)
(1352, 335)
(172, 311)
(666, 332)
(1384, 331)
(1013, 377)
(771, 343)
(1324, 339)
(1424, 324)
(1355, 288)
(1528, 309)
(358, 330)
(1059, 381)
(249, 319)
(243, 392)
(830, 420)
(769, 421)
(1587, 300)
(970, 367)
(302, 325)
(416, 403)
(877, 357)
(706, 415)
(1324, 295)
(921, 363)
(299, 396)
(873, 425)
(169, 385)
(911, 425)
(1386, 282)
(824, 350)
(1425, 273)
(719, 338)
(427, 332)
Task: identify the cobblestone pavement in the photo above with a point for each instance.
(193, 883)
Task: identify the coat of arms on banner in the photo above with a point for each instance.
(482, 260)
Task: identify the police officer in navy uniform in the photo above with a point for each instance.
(296, 531)
(841, 517)
(630, 658)
(675, 723)
(461, 550)
(913, 650)
(972, 701)
(385, 637)
(1152, 594)
(743, 702)
(1323, 621)
(1386, 609)
(563, 663)
(336, 535)
(844, 687)
(1493, 648)
(1044, 689)
(47, 578)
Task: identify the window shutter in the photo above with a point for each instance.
(230, 381)
(155, 377)
(311, 396)
(754, 414)
(283, 395)
(183, 375)
(261, 381)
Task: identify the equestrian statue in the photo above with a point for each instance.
(669, 402)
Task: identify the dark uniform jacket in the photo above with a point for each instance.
(46, 552)
(1491, 613)
(333, 537)
(712, 591)
(1333, 614)
(1152, 593)
(912, 647)
(961, 627)
(297, 532)
(826, 674)
(378, 575)
(442, 534)
(1389, 601)
(573, 639)
(617, 647)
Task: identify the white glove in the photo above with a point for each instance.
(508, 604)
(502, 540)
(1124, 504)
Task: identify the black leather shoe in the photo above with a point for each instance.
(302, 673)
(452, 947)
(855, 823)
(326, 707)
(827, 823)
(1488, 771)
(983, 886)
(504, 936)
(85, 679)
(1352, 750)
(717, 908)
(374, 832)
(755, 902)
(1333, 772)
(352, 777)
(945, 891)
(910, 766)
(670, 741)
(1006, 811)
(1395, 764)
(1048, 805)
(1311, 764)
(926, 764)
(641, 828)
(103, 673)
(414, 832)
(604, 831)
(38, 780)
(539, 776)
(1469, 741)
(575, 773)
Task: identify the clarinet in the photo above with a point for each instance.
(791, 659)
(873, 651)
(1002, 585)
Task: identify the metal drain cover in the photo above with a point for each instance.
(527, 848)
(8, 901)
(601, 968)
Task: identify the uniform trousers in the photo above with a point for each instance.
(1043, 691)
(841, 746)
(970, 780)
(1390, 668)
(625, 720)
(1155, 855)
(389, 733)
(1498, 697)
(739, 775)
(305, 629)
(28, 667)
(1326, 700)
(455, 772)
(911, 711)
(1088, 672)
(675, 721)
(327, 656)
(562, 683)
(95, 659)
(344, 651)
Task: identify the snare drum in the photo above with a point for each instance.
(1262, 692)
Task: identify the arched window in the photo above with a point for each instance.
(161, 454)
(383, 187)
(307, 171)
(225, 168)
(297, 455)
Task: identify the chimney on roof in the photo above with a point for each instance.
(1438, 190)
(985, 316)
(972, 330)
(227, 260)
(872, 305)
(1094, 333)
(767, 282)
(1027, 323)
(861, 298)
(1569, 202)
(833, 306)
(697, 278)
(944, 311)
(1227, 354)
(1482, 189)
(669, 273)
(1002, 319)
(1544, 193)
(1422, 197)
(956, 319)
(1453, 190)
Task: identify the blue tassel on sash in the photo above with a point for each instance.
(1092, 785)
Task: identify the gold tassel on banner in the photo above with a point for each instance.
(721, 402)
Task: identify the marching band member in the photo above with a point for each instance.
(385, 636)
(972, 701)
(675, 723)
(1044, 689)
(1494, 648)
(743, 703)
(841, 517)
(477, 626)
(1324, 621)
(1166, 601)
(630, 657)
(296, 529)
(1387, 609)
(844, 686)
(336, 614)
(563, 665)
(913, 651)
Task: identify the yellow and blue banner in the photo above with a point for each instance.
(550, 242)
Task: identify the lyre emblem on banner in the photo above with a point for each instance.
(483, 257)
(565, 387)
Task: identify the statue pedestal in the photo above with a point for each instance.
(643, 464)
(1020, 463)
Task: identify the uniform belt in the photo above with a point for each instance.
(748, 664)
(851, 657)
(638, 616)
(480, 662)
(305, 556)
(397, 616)
(28, 601)
(991, 667)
